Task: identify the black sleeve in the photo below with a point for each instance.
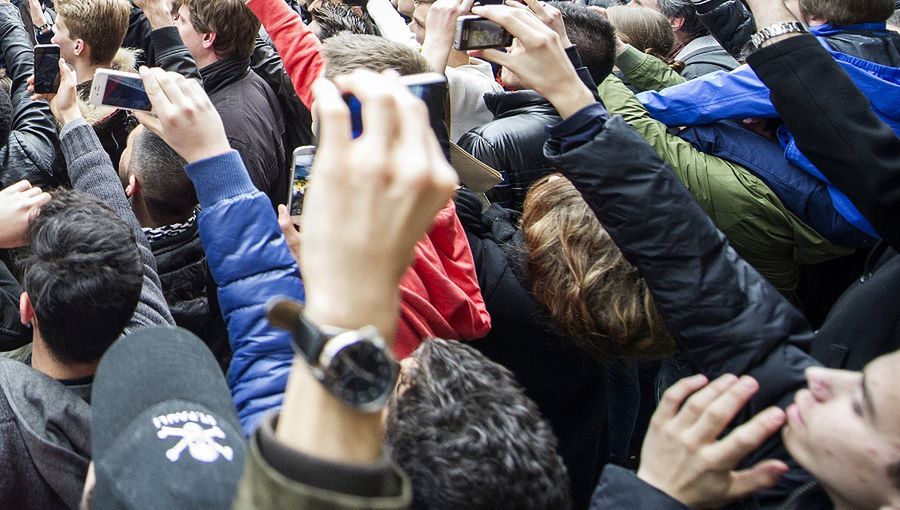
(168, 51)
(730, 22)
(13, 334)
(848, 143)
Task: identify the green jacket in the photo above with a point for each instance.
(265, 487)
(758, 225)
(646, 72)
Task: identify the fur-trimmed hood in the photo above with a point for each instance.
(125, 60)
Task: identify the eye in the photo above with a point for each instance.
(857, 407)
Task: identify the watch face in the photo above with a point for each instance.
(361, 375)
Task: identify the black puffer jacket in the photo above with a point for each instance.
(29, 150)
(568, 386)
(513, 143)
(190, 290)
(730, 22)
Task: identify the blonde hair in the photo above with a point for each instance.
(101, 24)
(643, 28)
(578, 273)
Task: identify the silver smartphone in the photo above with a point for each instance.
(119, 89)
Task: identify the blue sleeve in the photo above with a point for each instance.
(717, 96)
(251, 263)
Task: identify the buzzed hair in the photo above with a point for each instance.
(101, 24)
(848, 12)
(345, 53)
(167, 191)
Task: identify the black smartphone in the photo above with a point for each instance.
(418, 84)
(303, 160)
(476, 33)
(46, 68)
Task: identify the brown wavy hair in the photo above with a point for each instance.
(645, 29)
(578, 273)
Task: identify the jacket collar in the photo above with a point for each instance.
(828, 29)
(223, 73)
(503, 103)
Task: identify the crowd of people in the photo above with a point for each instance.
(646, 257)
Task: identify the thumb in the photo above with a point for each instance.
(761, 476)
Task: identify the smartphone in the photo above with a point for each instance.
(46, 68)
(303, 160)
(419, 84)
(476, 33)
(119, 89)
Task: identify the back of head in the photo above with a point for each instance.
(594, 36)
(468, 437)
(643, 28)
(166, 189)
(101, 24)
(345, 53)
(692, 27)
(234, 24)
(847, 12)
(83, 275)
(335, 18)
(578, 273)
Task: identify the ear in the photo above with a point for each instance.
(78, 47)
(26, 312)
(209, 39)
(677, 23)
(133, 188)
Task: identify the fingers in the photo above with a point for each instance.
(17, 187)
(745, 439)
(496, 56)
(675, 396)
(698, 402)
(149, 121)
(160, 102)
(333, 115)
(40, 199)
(761, 476)
(379, 108)
(521, 23)
(284, 221)
(169, 83)
(720, 411)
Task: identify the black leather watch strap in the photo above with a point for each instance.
(308, 339)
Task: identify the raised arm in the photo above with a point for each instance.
(729, 21)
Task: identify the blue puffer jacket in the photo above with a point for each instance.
(741, 94)
(250, 263)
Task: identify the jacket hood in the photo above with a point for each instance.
(54, 424)
(506, 103)
(439, 293)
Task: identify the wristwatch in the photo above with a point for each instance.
(775, 30)
(44, 28)
(353, 365)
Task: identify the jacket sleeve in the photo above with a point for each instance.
(725, 317)
(168, 51)
(646, 72)
(857, 152)
(717, 96)
(622, 489)
(33, 131)
(13, 334)
(266, 63)
(729, 21)
(299, 48)
(91, 171)
(250, 262)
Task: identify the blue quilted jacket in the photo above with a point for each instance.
(251, 263)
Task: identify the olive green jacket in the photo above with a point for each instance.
(758, 225)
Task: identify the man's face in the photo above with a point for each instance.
(67, 47)
(193, 40)
(845, 430)
(417, 25)
(125, 160)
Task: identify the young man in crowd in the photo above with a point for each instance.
(221, 37)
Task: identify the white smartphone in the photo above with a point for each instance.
(303, 160)
(119, 89)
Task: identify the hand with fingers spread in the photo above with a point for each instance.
(537, 57)
(549, 15)
(64, 102)
(681, 455)
(369, 200)
(158, 12)
(19, 204)
(182, 115)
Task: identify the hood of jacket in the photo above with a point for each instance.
(54, 429)
(507, 104)
(439, 293)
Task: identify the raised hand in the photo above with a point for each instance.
(19, 204)
(64, 102)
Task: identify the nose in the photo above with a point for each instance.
(825, 384)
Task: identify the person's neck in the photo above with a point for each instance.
(841, 503)
(458, 58)
(206, 60)
(143, 214)
(45, 362)
(85, 71)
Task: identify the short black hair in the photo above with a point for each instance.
(83, 275)
(594, 36)
(335, 18)
(468, 437)
(167, 190)
(693, 27)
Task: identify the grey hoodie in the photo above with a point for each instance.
(45, 440)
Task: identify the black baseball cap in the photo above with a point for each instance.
(164, 430)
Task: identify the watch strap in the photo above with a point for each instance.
(775, 30)
(308, 338)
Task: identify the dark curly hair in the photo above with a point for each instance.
(468, 437)
(83, 275)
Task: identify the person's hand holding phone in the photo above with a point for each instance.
(182, 115)
(64, 102)
(19, 204)
(549, 15)
(537, 57)
(372, 199)
(440, 27)
(158, 12)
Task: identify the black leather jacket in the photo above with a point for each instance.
(29, 151)
(730, 22)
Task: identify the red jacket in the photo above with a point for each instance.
(439, 294)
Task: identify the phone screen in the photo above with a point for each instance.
(46, 68)
(420, 90)
(302, 164)
(485, 33)
(126, 92)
